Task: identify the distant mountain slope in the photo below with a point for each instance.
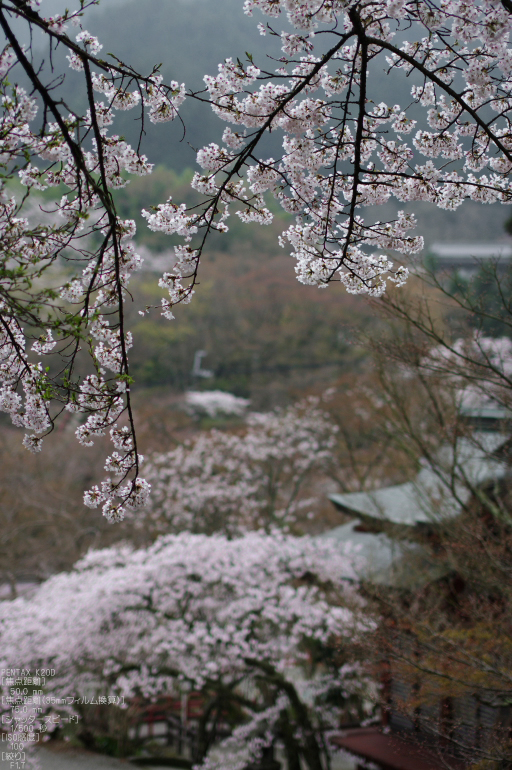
(189, 38)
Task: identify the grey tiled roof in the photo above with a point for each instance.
(391, 556)
(437, 491)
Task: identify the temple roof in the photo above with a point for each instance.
(439, 490)
(388, 526)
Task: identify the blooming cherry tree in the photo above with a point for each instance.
(341, 152)
(259, 623)
(65, 267)
(234, 482)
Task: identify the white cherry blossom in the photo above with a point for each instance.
(449, 142)
(235, 482)
(268, 623)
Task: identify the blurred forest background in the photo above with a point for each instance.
(266, 337)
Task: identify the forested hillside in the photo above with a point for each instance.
(189, 39)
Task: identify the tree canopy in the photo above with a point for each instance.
(66, 265)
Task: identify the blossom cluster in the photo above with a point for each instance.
(238, 481)
(66, 265)
(240, 617)
(340, 150)
(66, 269)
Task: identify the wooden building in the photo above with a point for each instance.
(394, 531)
